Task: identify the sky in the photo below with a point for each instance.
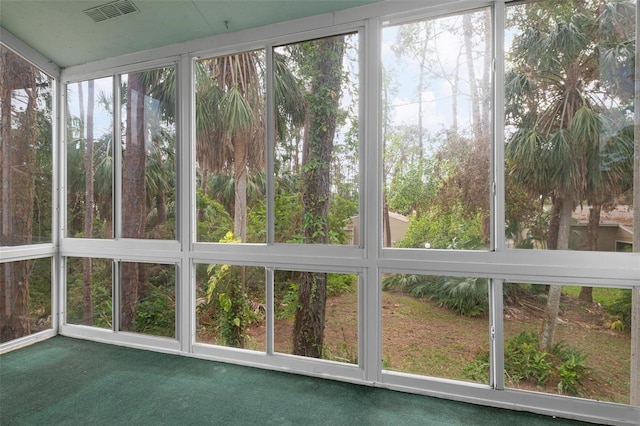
(437, 94)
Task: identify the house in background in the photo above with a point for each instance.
(615, 232)
(398, 223)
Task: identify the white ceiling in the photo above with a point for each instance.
(63, 33)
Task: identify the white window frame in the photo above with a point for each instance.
(621, 270)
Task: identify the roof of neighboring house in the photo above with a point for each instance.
(392, 215)
(398, 216)
(621, 215)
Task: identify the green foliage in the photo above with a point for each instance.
(231, 306)
(101, 296)
(478, 369)
(524, 362)
(444, 228)
(213, 220)
(622, 308)
(40, 288)
(289, 303)
(341, 210)
(288, 291)
(606, 296)
(463, 295)
(156, 312)
(342, 352)
(338, 284)
(235, 315)
(407, 191)
(571, 369)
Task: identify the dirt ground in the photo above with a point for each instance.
(422, 338)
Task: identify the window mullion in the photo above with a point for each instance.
(370, 305)
(270, 145)
(496, 324)
(117, 159)
(498, 181)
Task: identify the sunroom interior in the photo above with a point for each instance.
(183, 177)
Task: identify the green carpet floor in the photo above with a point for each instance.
(65, 381)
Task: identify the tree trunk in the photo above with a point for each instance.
(593, 230)
(15, 316)
(421, 78)
(133, 195)
(240, 157)
(554, 223)
(161, 208)
(6, 94)
(88, 206)
(548, 330)
(308, 332)
(386, 223)
(203, 186)
(486, 76)
(473, 85)
(19, 136)
(454, 96)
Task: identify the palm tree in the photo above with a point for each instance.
(553, 99)
(230, 124)
(230, 133)
(230, 130)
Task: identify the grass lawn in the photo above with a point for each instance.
(419, 337)
(606, 296)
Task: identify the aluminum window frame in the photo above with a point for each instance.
(620, 270)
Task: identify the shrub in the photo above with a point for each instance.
(444, 230)
(290, 303)
(622, 308)
(227, 296)
(213, 221)
(466, 296)
(463, 295)
(156, 313)
(571, 369)
(524, 362)
(289, 299)
(338, 284)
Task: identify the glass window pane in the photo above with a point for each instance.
(230, 306)
(436, 100)
(316, 315)
(436, 326)
(588, 353)
(230, 148)
(317, 104)
(90, 159)
(569, 88)
(148, 298)
(149, 154)
(89, 292)
(26, 152)
(25, 298)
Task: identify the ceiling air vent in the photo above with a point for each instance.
(111, 10)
